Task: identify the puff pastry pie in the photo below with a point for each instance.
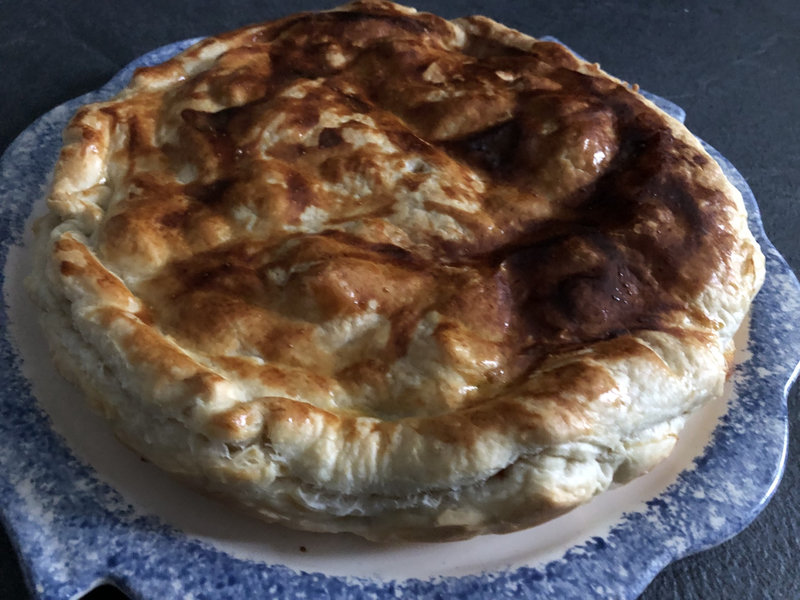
(370, 270)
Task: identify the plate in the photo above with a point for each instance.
(83, 510)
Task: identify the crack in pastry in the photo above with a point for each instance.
(369, 270)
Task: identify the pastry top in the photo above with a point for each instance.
(398, 251)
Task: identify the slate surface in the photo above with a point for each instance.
(731, 65)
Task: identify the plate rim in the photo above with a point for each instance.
(558, 576)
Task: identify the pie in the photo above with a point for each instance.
(374, 271)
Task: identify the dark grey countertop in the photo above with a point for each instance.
(733, 66)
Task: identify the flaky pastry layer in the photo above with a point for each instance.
(369, 270)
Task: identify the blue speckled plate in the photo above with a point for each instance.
(84, 510)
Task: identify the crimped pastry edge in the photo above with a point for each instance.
(69, 337)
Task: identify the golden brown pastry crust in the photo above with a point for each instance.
(369, 270)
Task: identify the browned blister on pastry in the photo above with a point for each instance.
(370, 270)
